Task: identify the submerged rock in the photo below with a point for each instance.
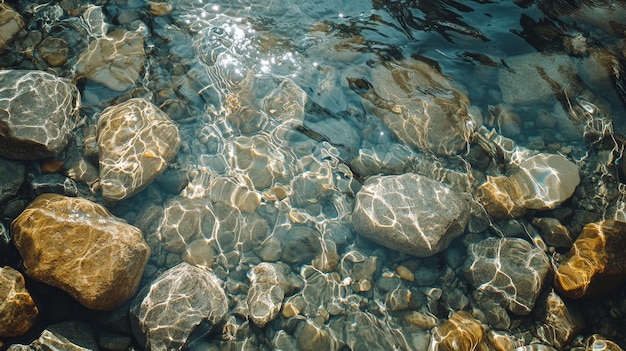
(459, 333)
(66, 336)
(38, 113)
(10, 24)
(80, 248)
(561, 321)
(598, 342)
(114, 60)
(510, 271)
(266, 294)
(168, 311)
(596, 264)
(11, 179)
(419, 105)
(409, 213)
(18, 311)
(136, 142)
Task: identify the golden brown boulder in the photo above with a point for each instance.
(136, 142)
(80, 248)
(18, 311)
(460, 332)
(596, 264)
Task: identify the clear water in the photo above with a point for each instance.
(279, 140)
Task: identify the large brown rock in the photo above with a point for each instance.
(596, 263)
(18, 311)
(38, 113)
(136, 141)
(409, 213)
(80, 248)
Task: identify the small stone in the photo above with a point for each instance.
(425, 321)
(364, 285)
(502, 342)
(266, 293)
(553, 232)
(501, 198)
(405, 273)
(509, 270)
(66, 336)
(388, 213)
(79, 247)
(596, 264)
(54, 51)
(398, 299)
(160, 8)
(460, 332)
(293, 306)
(18, 311)
(10, 24)
(561, 321)
(52, 166)
(136, 142)
(597, 342)
(114, 60)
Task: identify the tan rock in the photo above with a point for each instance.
(500, 198)
(405, 273)
(595, 265)
(54, 51)
(18, 311)
(80, 248)
(160, 8)
(425, 321)
(136, 142)
(10, 24)
(561, 321)
(459, 333)
(114, 60)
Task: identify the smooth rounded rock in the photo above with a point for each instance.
(38, 113)
(18, 311)
(80, 248)
(510, 271)
(409, 213)
(266, 294)
(136, 142)
(596, 264)
(165, 313)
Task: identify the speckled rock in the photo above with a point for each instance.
(399, 212)
(80, 248)
(408, 97)
(114, 60)
(459, 333)
(10, 24)
(510, 271)
(561, 321)
(66, 336)
(18, 311)
(595, 265)
(136, 142)
(38, 113)
(165, 313)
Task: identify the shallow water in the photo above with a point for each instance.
(280, 129)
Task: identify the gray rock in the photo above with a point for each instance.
(265, 297)
(509, 270)
(38, 112)
(409, 213)
(11, 178)
(167, 312)
(66, 336)
(562, 321)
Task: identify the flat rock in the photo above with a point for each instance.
(545, 181)
(80, 248)
(114, 60)
(167, 312)
(66, 336)
(38, 113)
(527, 78)
(136, 142)
(595, 265)
(460, 332)
(18, 311)
(401, 213)
(10, 24)
(509, 270)
(418, 105)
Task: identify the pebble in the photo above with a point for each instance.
(405, 273)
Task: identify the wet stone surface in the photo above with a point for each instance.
(18, 310)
